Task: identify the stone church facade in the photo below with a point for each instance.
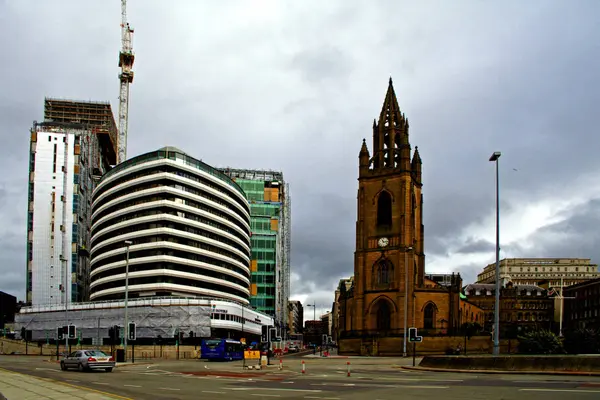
(389, 285)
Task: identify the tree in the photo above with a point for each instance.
(469, 329)
(540, 342)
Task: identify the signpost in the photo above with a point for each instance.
(414, 338)
(251, 355)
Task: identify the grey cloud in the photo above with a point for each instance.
(299, 91)
(477, 246)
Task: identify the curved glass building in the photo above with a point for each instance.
(181, 226)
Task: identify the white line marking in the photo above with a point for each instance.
(266, 395)
(169, 389)
(72, 380)
(283, 390)
(210, 391)
(560, 390)
(138, 386)
(100, 383)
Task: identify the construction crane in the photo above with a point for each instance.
(126, 58)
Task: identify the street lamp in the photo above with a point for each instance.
(406, 297)
(494, 158)
(126, 326)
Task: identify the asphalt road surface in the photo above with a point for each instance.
(370, 379)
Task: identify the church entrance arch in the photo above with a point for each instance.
(382, 315)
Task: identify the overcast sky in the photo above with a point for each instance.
(295, 85)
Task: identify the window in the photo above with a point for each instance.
(383, 272)
(384, 210)
(429, 316)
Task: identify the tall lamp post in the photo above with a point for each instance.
(406, 298)
(494, 158)
(126, 326)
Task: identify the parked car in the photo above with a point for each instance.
(86, 360)
(293, 348)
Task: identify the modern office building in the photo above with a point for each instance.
(295, 317)
(270, 211)
(69, 151)
(530, 271)
(181, 227)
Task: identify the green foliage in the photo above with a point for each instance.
(582, 341)
(540, 342)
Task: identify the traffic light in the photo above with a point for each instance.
(132, 332)
(72, 332)
(59, 333)
(111, 333)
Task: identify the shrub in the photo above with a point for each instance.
(582, 341)
(540, 342)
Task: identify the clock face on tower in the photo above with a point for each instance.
(383, 242)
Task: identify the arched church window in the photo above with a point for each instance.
(384, 272)
(384, 210)
(429, 316)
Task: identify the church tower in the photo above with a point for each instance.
(389, 254)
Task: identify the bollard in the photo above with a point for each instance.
(280, 364)
(348, 366)
(303, 367)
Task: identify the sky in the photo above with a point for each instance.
(294, 86)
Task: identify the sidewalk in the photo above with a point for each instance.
(15, 386)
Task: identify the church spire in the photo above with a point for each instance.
(391, 148)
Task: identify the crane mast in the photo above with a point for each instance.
(126, 58)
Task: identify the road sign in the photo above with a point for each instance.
(252, 355)
(413, 337)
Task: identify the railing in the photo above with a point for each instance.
(371, 333)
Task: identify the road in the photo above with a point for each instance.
(326, 379)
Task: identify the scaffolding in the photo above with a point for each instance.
(90, 114)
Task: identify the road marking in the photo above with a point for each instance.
(560, 390)
(169, 388)
(210, 391)
(282, 390)
(136, 386)
(266, 395)
(71, 380)
(48, 369)
(100, 383)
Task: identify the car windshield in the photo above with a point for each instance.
(95, 353)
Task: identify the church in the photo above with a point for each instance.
(389, 291)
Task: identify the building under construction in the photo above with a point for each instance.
(69, 151)
(270, 214)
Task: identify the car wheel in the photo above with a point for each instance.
(80, 367)
(108, 369)
(62, 366)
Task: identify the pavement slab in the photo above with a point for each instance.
(17, 386)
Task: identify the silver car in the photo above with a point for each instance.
(86, 360)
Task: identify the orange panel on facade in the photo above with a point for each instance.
(76, 169)
(253, 290)
(253, 266)
(34, 136)
(77, 149)
(274, 194)
(274, 224)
